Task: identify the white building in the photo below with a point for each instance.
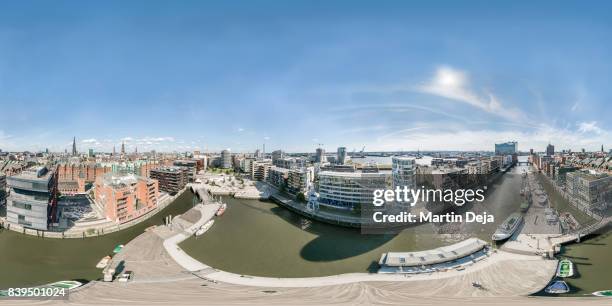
(350, 190)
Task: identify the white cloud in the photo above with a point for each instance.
(266, 138)
(455, 85)
(589, 127)
(90, 140)
(436, 138)
(240, 130)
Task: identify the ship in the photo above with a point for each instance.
(565, 268)
(221, 210)
(508, 227)
(204, 228)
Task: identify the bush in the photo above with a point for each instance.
(300, 197)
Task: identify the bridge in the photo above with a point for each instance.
(578, 234)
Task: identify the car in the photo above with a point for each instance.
(126, 276)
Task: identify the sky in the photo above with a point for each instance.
(295, 75)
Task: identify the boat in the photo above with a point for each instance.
(525, 206)
(565, 268)
(604, 293)
(204, 228)
(221, 210)
(557, 287)
(508, 227)
(117, 248)
(65, 285)
(104, 262)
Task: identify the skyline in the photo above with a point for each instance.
(392, 76)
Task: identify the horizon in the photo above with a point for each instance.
(391, 77)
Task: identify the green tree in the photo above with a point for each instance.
(300, 197)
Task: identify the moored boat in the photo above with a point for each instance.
(525, 206)
(221, 210)
(118, 248)
(204, 228)
(565, 268)
(508, 227)
(103, 262)
(603, 293)
(557, 287)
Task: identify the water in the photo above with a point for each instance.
(27, 260)
(262, 239)
(591, 260)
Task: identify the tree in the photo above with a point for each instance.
(300, 197)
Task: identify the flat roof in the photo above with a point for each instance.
(429, 257)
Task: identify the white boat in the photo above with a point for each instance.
(508, 227)
(103, 262)
(565, 268)
(204, 228)
(221, 210)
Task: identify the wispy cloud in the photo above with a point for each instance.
(589, 127)
(455, 85)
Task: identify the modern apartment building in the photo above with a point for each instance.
(320, 156)
(277, 176)
(125, 197)
(350, 190)
(171, 179)
(260, 169)
(300, 180)
(191, 167)
(404, 171)
(591, 190)
(33, 198)
(341, 155)
(226, 159)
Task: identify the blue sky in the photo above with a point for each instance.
(390, 75)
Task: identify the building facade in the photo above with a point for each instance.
(404, 171)
(170, 179)
(350, 190)
(2, 189)
(226, 159)
(125, 197)
(33, 198)
(300, 180)
(589, 189)
(341, 155)
(277, 176)
(191, 167)
(506, 148)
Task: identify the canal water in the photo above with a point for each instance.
(27, 260)
(262, 239)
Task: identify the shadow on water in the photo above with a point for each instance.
(332, 242)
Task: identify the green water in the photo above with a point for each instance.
(592, 264)
(27, 260)
(262, 239)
